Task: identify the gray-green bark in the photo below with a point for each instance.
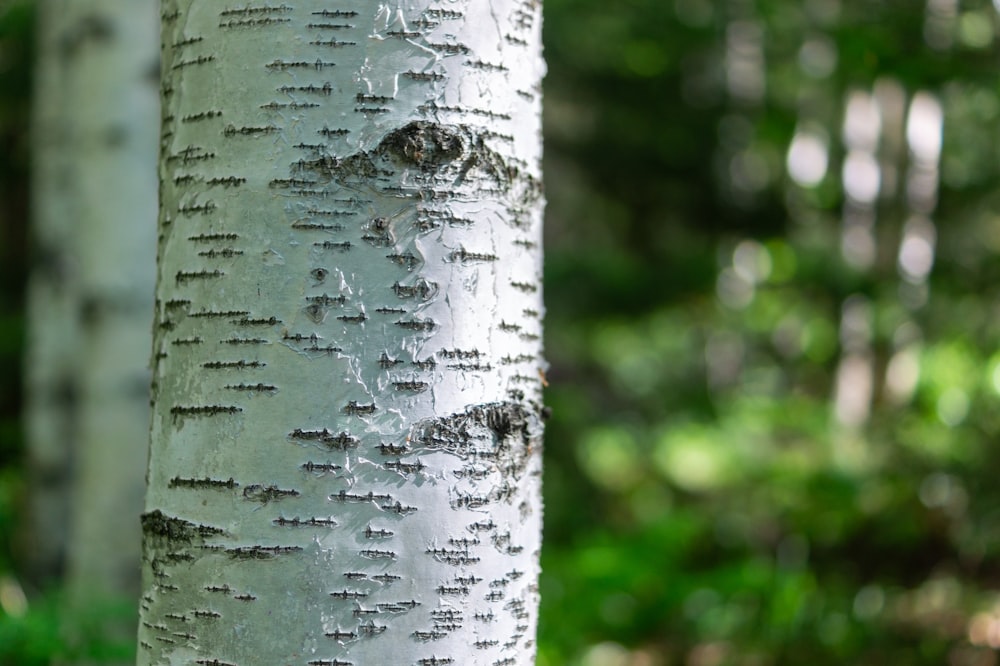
(345, 457)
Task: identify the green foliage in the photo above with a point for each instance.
(43, 631)
(704, 503)
(31, 639)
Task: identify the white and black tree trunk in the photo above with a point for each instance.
(112, 102)
(52, 305)
(91, 291)
(345, 458)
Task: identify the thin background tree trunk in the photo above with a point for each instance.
(52, 304)
(345, 456)
(90, 298)
(112, 60)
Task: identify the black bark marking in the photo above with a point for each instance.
(326, 299)
(421, 289)
(205, 410)
(170, 529)
(178, 482)
(244, 341)
(416, 325)
(439, 152)
(320, 467)
(256, 321)
(353, 407)
(413, 386)
(253, 388)
(232, 365)
(207, 238)
(260, 552)
(265, 494)
(332, 441)
(503, 435)
(387, 449)
(304, 522)
(186, 276)
(215, 314)
(256, 11)
(423, 144)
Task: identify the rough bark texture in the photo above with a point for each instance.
(345, 456)
(112, 60)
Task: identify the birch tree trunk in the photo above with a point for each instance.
(345, 456)
(91, 289)
(91, 292)
(111, 93)
(50, 357)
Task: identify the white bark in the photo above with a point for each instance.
(111, 54)
(345, 457)
(91, 292)
(51, 351)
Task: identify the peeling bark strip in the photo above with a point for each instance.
(345, 457)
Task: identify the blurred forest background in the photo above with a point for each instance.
(773, 291)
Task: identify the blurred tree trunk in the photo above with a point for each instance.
(51, 351)
(345, 455)
(111, 52)
(95, 195)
